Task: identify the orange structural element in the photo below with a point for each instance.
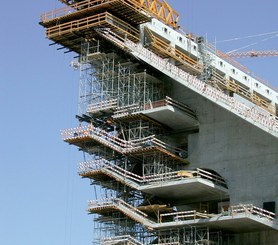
(159, 9)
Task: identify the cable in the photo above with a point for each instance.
(246, 37)
(252, 44)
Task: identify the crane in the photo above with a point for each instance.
(253, 53)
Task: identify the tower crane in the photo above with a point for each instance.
(253, 53)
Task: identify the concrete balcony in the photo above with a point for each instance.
(197, 184)
(168, 112)
(240, 218)
(171, 113)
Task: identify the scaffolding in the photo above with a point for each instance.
(113, 92)
(128, 75)
(109, 79)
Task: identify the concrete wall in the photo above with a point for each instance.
(244, 155)
(240, 152)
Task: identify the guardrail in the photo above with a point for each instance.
(268, 121)
(172, 102)
(102, 106)
(86, 168)
(251, 209)
(109, 202)
(97, 134)
(192, 215)
(120, 145)
(185, 215)
(127, 110)
(168, 243)
(56, 13)
(73, 8)
(125, 238)
(104, 19)
(247, 209)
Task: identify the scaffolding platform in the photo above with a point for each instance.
(86, 8)
(171, 115)
(68, 34)
(91, 135)
(239, 218)
(183, 184)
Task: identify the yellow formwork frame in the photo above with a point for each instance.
(158, 9)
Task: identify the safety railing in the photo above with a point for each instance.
(163, 48)
(249, 209)
(212, 177)
(95, 21)
(76, 7)
(75, 25)
(89, 5)
(129, 109)
(253, 97)
(102, 106)
(99, 135)
(110, 202)
(111, 36)
(120, 239)
(56, 13)
(184, 215)
(172, 102)
(85, 168)
(123, 111)
(161, 11)
(191, 216)
(168, 243)
(268, 121)
(122, 146)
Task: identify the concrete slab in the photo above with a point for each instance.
(195, 189)
(172, 117)
(238, 223)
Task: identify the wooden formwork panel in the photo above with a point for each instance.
(165, 50)
(122, 9)
(253, 97)
(156, 8)
(104, 20)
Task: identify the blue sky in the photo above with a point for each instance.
(43, 200)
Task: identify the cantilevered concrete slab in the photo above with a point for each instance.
(245, 220)
(238, 223)
(172, 117)
(195, 189)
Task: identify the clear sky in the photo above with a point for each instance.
(43, 201)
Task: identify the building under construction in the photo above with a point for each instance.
(180, 142)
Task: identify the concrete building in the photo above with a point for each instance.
(180, 141)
